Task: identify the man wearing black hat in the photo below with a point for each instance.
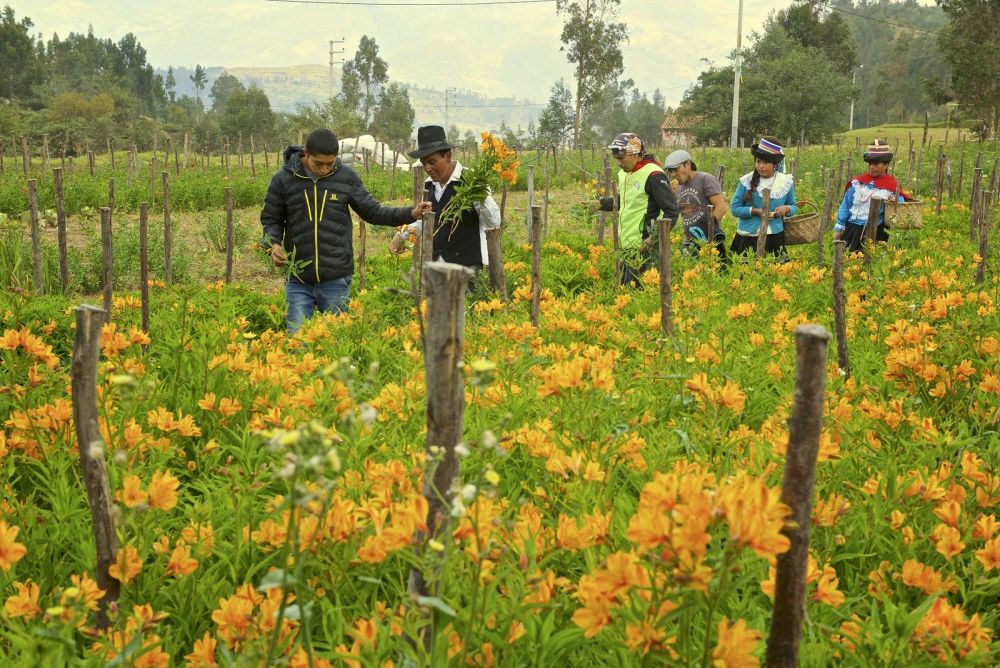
(464, 242)
(875, 184)
(306, 216)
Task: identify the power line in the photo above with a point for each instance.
(367, 3)
(877, 20)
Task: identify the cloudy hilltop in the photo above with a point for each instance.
(287, 87)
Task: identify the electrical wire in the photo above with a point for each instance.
(873, 18)
(367, 3)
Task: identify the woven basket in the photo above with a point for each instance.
(904, 215)
(803, 228)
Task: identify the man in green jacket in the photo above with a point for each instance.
(643, 193)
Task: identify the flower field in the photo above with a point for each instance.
(619, 493)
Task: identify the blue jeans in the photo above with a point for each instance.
(305, 298)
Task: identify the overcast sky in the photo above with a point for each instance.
(498, 50)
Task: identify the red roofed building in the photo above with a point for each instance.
(676, 131)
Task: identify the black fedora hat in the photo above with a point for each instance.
(430, 139)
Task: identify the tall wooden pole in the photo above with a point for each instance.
(839, 307)
(36, 237)
(666, 297)
(144, 262)
(168, 263)
(86, 354)
(765, 218)
(57, 184)
(229, 235)
(106, 259)
(804, 427)
(536, 263)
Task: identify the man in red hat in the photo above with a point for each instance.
(874, 185)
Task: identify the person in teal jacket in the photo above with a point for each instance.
(643, 193)
(747, 201)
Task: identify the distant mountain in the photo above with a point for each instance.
(287, 87)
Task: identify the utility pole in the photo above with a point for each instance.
(736, 81)
(446, 91)
(339, 62)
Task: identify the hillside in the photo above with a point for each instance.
(287, 87)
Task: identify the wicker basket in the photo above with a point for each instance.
(904, 215)
(803, 228)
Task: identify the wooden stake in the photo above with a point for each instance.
(144, 262)
(362, 253)
(927, 122)
(765, 221)
(418, 184)
(168, 264)
(602, 216)
(444, 343)
(26, 157)
(253, 164)
(86, 354)
(494, 251)
(939, 180)
(229, 235)
(536, 263)
(45, 152)
(111, 195)
(984, 236)
(36, 237)
(666, 298)
(804, 427)
(977, 184)
(57, 185)
(871, 229)
(424, 252)
(106, 258)
(824, 225)
(720, 175)
(839, 307)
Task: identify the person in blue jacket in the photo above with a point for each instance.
(747, 200)
(874, 185)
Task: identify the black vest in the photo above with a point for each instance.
(459, 243)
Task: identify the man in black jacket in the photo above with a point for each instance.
(306, 219)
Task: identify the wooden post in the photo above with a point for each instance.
(444, 343)
(666, 298)
(187, 150)
(2, 168)
(168, 264)
(977, 184)
(26, 157)
(418, 184)
(362, 253)
(106, 257)
(111, 154)
(86, 354)
(36, 237)
(45, 152)
(144, 262)
(871, 229)
(995, 176)
(602, 216)
(90, 162)
(229, 234)
(984, 225)
(615, 206)
(531, 199)
(57, 185)
(152, 180)
(765, 221)
(536, 263)
(111, 195)
(494, 251)
(424, 252)
(239, 150)
(253, 164)
(720, 175)
(839, 307)
(709, 227)
(804, 427)
(824, 224)
(939, 180)
(545, 202)
(927, 121)
(177, 162)
(961, 169)
(503, 202)
(267, 161)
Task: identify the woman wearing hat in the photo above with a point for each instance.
(747, 200)
(875, 184)
(643, 192)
